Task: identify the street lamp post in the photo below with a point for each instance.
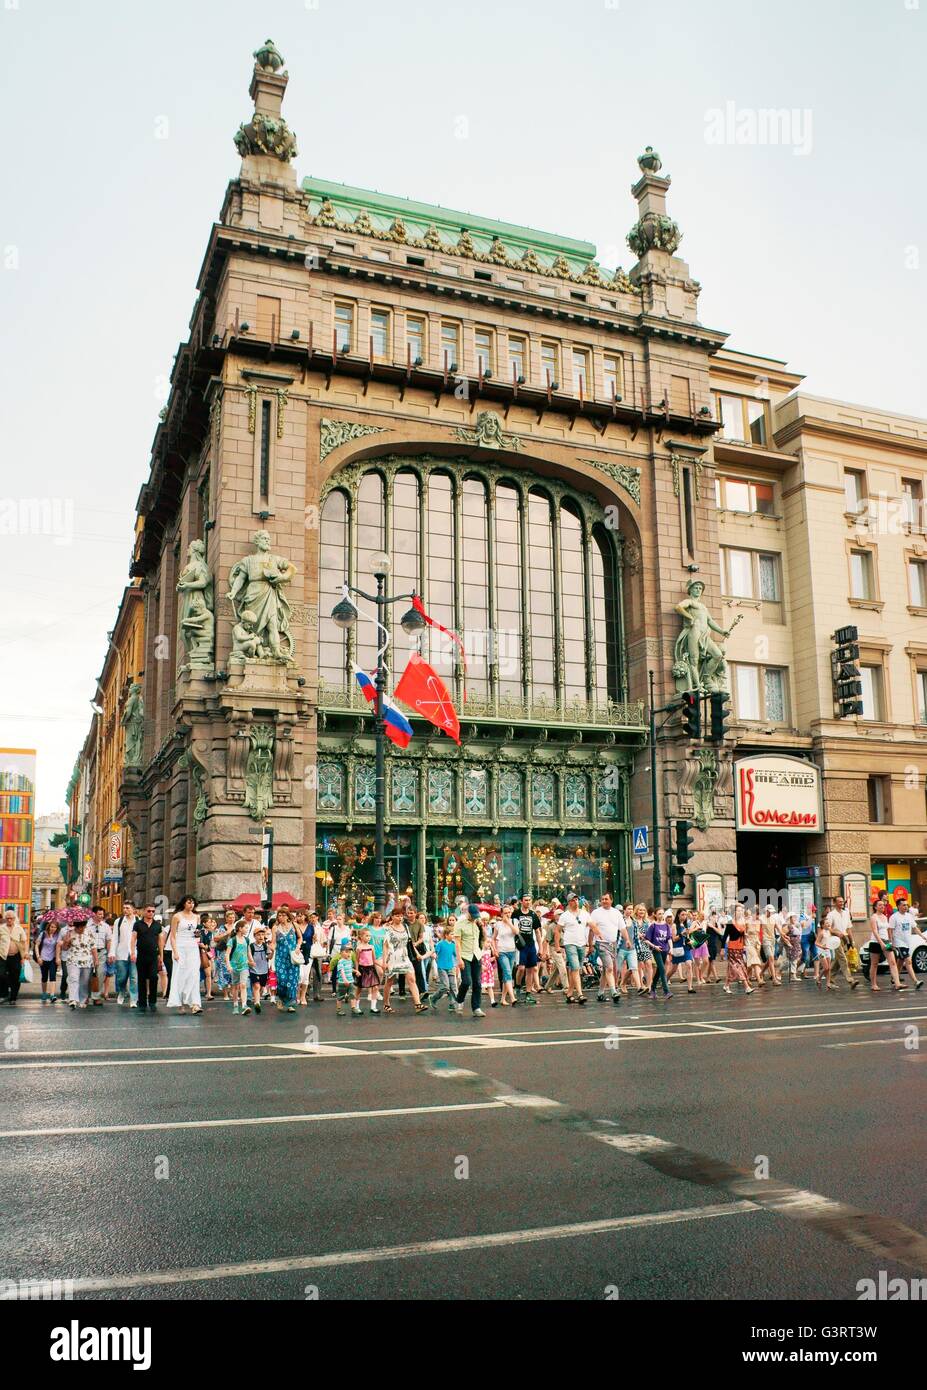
(344, 616)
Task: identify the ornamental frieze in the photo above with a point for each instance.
(624, 474)
(337, 432)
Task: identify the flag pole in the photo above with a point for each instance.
(379, 864)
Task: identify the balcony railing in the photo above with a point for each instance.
(512, 709)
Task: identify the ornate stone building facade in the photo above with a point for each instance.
(555, 456)
(516, 427)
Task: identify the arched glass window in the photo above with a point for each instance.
(604, 616)
(439, 576)
(541, 594)
(555, 589)
(508, 590)
(371, 526)
(475, 574)
(333, 571)
(573, 602)
(404, 549)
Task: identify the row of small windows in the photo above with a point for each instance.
(510, 358)
(471, 792)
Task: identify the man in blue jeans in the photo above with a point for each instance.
(126, 973)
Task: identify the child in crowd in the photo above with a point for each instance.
(238, 955)
(446, 960)
(344, 979)
(369, 976)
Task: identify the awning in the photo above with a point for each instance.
(254, 900)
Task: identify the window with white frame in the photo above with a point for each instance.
(744, 495)
(483, 346)
(759, 693)
(613, 375)
(415, 339)
(872, 681)
(862, 575)
(450, 345)
(854, 490)
(518, 357)
(917, 583)
(550, 361)
(580, 372)
(344, 326)
(380, 333)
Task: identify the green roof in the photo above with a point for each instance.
(382, 209)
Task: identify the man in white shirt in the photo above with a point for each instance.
(607, 928)
(574, 934)
(124, 956)
(103, 940)
(901, 924)
(839, 924)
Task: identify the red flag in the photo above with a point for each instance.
(423, 690)
(433, 622)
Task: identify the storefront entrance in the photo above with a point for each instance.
(762, 860)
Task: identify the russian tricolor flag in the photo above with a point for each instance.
(395, 725)
(366, 685)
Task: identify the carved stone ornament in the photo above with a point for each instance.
(269, 135)
(337, 432)
(488, 433)
(703, 788)
(654, 232)
(624, 474)
(268, 56)
(259, 773)
(650, 162)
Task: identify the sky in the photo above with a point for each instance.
(808, 238)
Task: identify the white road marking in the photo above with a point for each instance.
(254, 1120)
(461, 1042)
(874, 1042)
(453, 1246)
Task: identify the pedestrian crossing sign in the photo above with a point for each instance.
(641, 839)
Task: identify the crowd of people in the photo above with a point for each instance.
(508, 954)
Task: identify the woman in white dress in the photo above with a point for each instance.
(185, 977)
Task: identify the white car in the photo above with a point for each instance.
(918, 950)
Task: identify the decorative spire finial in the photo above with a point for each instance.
(650, 162)
(267, 133)
(268, 56)
(654, 230)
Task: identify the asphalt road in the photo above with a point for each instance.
(710, 1147)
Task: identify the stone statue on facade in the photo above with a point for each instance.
(133, 721)
(698, 660)
(256, 588)
(197, 618)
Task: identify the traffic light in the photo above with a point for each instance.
(677, 878)
(720, 714)
(847, 679)
(682, 850)
(692, 714)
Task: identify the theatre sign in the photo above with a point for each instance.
(777, 793)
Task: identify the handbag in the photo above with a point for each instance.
(296, 956)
